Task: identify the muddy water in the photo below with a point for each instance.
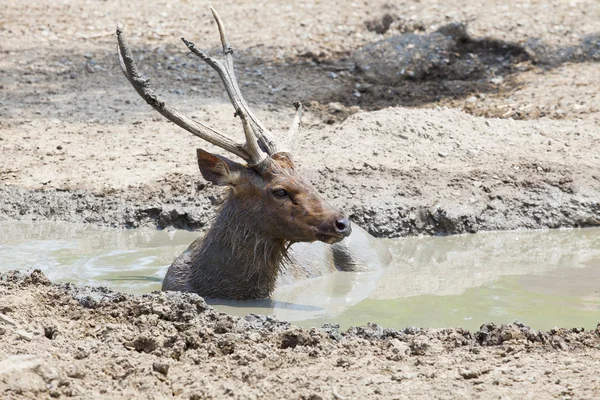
(542, 278)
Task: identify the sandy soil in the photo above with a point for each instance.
(504, 135)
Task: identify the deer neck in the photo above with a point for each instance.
(236, 259)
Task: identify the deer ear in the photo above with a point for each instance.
(218, 169)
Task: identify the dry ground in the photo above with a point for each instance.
(64, 341)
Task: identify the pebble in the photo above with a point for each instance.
(74, 372)
(471, 374)
(472, 153)
(160, 367)
(23, 334)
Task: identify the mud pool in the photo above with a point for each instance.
(541, 278)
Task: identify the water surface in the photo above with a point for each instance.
(542, 278)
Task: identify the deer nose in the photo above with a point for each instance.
(343, 226)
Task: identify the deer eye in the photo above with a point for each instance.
(281, 193)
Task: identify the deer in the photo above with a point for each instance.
(273, 228)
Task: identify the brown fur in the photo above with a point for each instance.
(242, 253)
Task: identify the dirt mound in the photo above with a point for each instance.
(62, 340)
(396, 171)
(446, 54)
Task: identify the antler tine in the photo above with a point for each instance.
(227, 73)
(294, 128)
(251, 140)
(142, 85)
(227, 48)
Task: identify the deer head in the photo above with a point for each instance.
(266, 192)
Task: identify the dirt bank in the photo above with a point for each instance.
(61, 340)
(79, 145)
(446, 172)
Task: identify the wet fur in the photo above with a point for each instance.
(237, 258)
(246, 252)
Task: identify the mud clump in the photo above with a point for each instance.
(37, 277)
(561, 339)
(300, 337)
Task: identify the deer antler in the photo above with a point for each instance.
(259, 142)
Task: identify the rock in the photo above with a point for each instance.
(472, 152)
(468, 374)
(26, 373)
(23, 334)
(161, 367)
(398, 350)
(75, 372)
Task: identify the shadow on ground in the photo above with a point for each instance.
(409, 69)
(417, 69)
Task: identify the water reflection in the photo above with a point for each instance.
(544, 277)
(133, 261)
(450, 265)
